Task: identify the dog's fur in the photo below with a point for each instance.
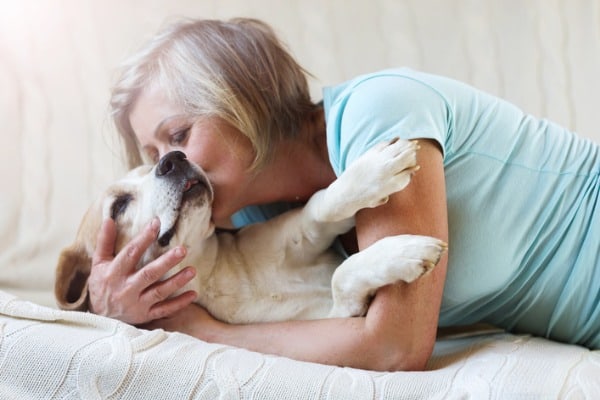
(278, 270)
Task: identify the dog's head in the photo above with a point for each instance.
(174, 190)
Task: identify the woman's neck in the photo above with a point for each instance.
(303, 163)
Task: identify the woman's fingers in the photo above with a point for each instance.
(130, 255)
(105, 243)
(152, 272)
(117, 289)
(158, 296)
(171, 306)
(156, 293)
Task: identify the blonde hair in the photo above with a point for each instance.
(237, 70)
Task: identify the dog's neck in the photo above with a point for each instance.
(203, 257)
(218, 251)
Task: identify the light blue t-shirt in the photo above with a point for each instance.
(522, 197)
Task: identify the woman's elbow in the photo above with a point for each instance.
(411, 362)
(393, 354)
(404, 360)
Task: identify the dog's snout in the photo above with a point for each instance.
(170, 163)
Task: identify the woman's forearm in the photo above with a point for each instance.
(327, 341)
(396, 334)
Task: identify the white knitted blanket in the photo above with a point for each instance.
(51, 354)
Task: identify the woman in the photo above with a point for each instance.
(514, 196)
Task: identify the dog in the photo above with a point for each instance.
(281, 269)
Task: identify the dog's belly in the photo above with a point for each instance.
(279, 306)
(275, 292)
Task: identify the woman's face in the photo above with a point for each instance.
(221, 150)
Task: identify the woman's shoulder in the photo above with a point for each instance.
(387, 79)
(380, 106)
(366, 81)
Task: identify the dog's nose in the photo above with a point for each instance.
(170, 163)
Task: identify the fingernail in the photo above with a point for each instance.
(155, 224)
(189, 273)
(180, 251)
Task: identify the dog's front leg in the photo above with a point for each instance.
(370, 180)
(387, 261)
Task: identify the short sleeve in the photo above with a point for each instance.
(379, 108)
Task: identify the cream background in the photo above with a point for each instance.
(58, 57)
(57, 60)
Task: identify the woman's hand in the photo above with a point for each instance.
(118, 290)
(192, 320)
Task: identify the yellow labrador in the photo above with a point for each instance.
(278, 270)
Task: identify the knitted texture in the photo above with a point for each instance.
(51, 354)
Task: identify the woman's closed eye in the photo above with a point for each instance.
(179, 138)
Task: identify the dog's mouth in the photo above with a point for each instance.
(192, 189)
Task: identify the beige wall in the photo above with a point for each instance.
(57, 59)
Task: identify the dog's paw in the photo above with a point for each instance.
(385, 169)
(403, 258)
(387, 261)
(417, 255)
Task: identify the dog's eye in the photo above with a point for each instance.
(119, 205)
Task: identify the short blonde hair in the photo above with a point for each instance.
(237, 70)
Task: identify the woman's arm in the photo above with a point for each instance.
(409, 313)
(398, 332)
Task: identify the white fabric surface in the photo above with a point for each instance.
(50, 354)
(57, 60)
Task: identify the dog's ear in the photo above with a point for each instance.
(72, 273)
